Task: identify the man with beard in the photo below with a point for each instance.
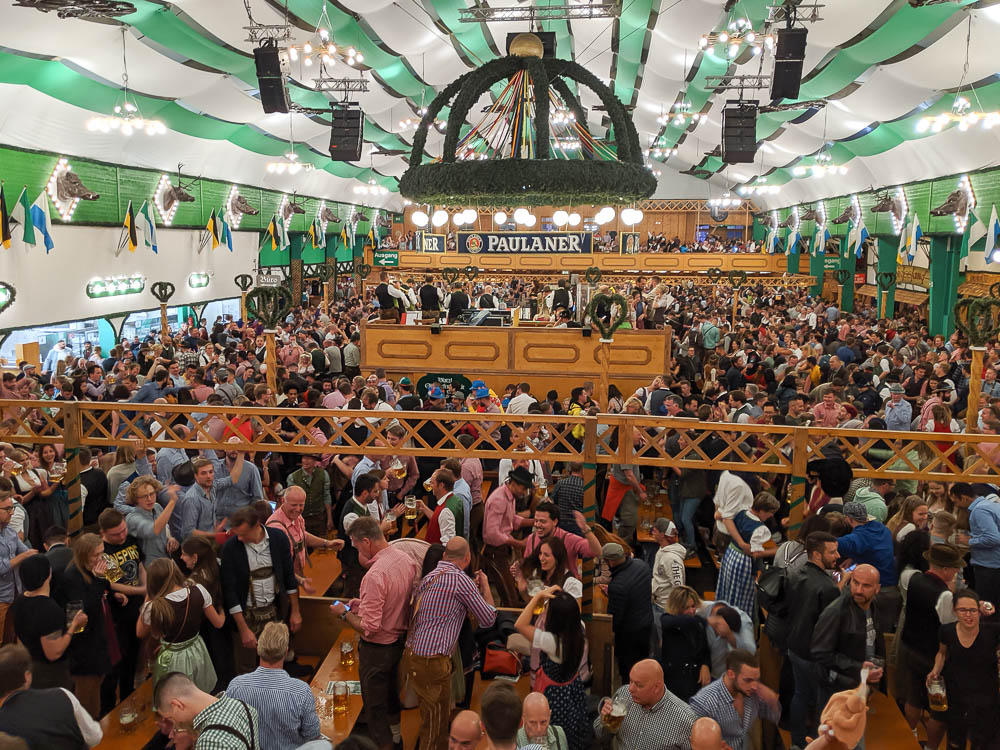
(500, 519)
(736, 699)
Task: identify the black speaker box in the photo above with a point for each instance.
(791, 50)
(270, 80)
(791, 44)
(346, 134)
(739, 133)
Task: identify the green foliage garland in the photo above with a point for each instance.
(163, 291)
(607, 331)
(269, 305)
(978, 318)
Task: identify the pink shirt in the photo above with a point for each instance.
(385, 595)
(576, 547)
(499, 518)
(296, 533)
(334, 400)
(472, 472)
(826, 417)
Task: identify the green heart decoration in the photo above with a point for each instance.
(7, 295)
(715, 274)
(362, 270)
(842, 275)
(324, 272)
(885, 280)
(450, 275)
(471, 272)
(270, 305)
(995, 290)
(607, 331)
(163, 291)
(243, 282)
(978, 318)
(737, 278)
(592, 275)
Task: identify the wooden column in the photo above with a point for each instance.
(164, 327)
(589, 509)
(797, 481)
(975, 388)
(71, 443)
(271, 360)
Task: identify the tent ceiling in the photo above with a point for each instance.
(882, 63)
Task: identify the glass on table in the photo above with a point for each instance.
(347, 654)
(340, 696)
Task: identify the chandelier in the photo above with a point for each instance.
(126, 117)
(371, 188)
(321, 48)
(680, 114)
(740, 31)
(726, 201)
(289, 162)
(411, 123)
(758, 189)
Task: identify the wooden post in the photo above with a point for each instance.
(883, 296)
(271, 360)
(326, 297)
(736, 301)
(605, 354)
(589, 508)
(975, 388)
(243, 307)
(797, 481)
(163, 319)
(71, 443)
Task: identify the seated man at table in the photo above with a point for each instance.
(285, 705)
(219, 722)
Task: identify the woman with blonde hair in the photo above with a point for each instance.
(684, 653)
(123, 468)
(173, 613)
(912, 515)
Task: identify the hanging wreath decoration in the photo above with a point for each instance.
(244, 282)
(592, 275)
(885, 280)
(163, 291)
(471, 272)
(737, 278)
(450, 274)
(270, 305)
(842, 275)
(7, 295)
(607, 331)
(978, 318)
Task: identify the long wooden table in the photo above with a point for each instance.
(336, 727)
(144, 727)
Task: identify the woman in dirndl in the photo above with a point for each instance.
(173, 613)
(559, 664)
(741, 560)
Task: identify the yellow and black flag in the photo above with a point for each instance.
(214, 229)
(4, 220)
(129, 236)
(271, 233)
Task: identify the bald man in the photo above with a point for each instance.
(536, 724)
(654, 717)
(466, 731)
(444, 599)
(288, 518)
(706, 735)
(848, 636)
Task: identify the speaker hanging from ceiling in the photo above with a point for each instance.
(739, 132)
(270, 80)
(346, 131)
(788, 56)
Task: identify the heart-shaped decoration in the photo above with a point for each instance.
(842, 275)
(324, 272)
(607, 331)
(978, 318)
(450, 275)
(592, 275)
(471, 272)
(995, 290)
(714, 274)
(163, 291)
(270, 305)
(243, 282)
(7, 295)
(885, 280)
(737, 278)
(362, 269)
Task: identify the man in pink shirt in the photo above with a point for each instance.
(547, 526)
(381, 615)
(289, 519)
(499, 520)
(827, 412)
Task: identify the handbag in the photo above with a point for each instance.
(498, 660)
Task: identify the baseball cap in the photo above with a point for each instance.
(856, 512)
(458, 394)
(665, 526)
(612, 551)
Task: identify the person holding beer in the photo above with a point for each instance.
(448, 517)
(289, 519)
(644, 715)
(966, 659)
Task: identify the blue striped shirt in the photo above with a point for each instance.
(286, 707)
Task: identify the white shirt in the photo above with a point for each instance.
(533, 466)
(90, 729)
(668, 571)
(446, 520)
(731, 496)
(520, 403)
(259, 556)
(760, 535)
(178, 596)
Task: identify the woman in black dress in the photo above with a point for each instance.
(684, 656)
(967, 659)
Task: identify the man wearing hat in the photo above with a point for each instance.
(628, 595)
(928, 607)
(942, 396)
(457, 402)
(499, 520)
(484, 404)
(898, 412)
(408, 400)
(869, 542)
(225, 387)
(668, 565)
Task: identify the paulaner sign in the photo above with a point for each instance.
(525, 242)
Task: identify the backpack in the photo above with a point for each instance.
(773, 583)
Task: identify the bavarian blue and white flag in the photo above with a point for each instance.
(772, 238)
(915, 234)
(40, 219)
(901, 248)
(792, 246)
(146, 225)
(992, 230)
(821, 236)
(859, 237)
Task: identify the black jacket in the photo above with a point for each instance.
(811, 591)
(838, 642)
(629, 594)
(235, 573)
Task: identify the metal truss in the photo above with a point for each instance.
(531, 13)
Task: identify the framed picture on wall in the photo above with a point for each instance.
(628, 242)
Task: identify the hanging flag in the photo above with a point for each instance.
(226, 235)
(769, 241)
(4, 220)
(271, 233)
(282, 234)
(992, 255)
(900, 249)
(915, 234)
(371, 236)
(343, 235)
(212, 227)
(821, 238)
(145, 224)
(130, 237)
(21, 217)
(312, 234)
(40, 219)
(859, 238)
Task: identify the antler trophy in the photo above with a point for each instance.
(270, 305)
(163, 291)
(598, 302)
(244, 282)
(978, 318)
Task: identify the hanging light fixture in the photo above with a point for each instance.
(290, 160)
(822, 165)
(737, 33)
(412, 123)
(321, 48)
(126, 119)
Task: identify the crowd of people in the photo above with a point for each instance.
(190, 563)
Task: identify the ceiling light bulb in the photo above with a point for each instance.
(750, 36)
(307, 61)
(521, 215)
(439, 218)
(734, 50)
(307, 48)
(293, 53)
(458, 220)
(419, 218)
(560, 218)
(351, 51)
(359, 57)
(324, 34)
(703, 42)
(574, 219)
(532, 220)
(500, 217)
(723, 37)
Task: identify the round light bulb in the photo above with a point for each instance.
(500, 217)
(419, 218)
(574, 220)
(470, 215)
(560, 218)
(532, 220)
(458, 220)
(439, 218)
(521, 215)
(723, 37)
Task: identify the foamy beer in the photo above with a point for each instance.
(937, 696)
(340, 693)
(613, 721)
(399, 473)
(113, 573)
(540, 489)
(427, 485)
(410, 501)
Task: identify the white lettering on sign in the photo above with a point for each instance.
(266, 280)
(538, 243)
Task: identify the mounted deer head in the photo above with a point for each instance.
(846, 216)
(765, 220)
(69, 187)
(956, 203)
(292, 207)
(892, 204)
(178, 193)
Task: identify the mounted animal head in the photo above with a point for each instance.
(765, 220)
(891, 203)
(361, 216)
(956, 203)
(69, 186)
(291, 208)
(787, 222)
(846, 216)
(329, 216)
(811, 214)
(384, 221)
(240, 206)
(176, 194)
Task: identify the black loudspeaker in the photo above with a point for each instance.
(788, 57)
(346, 133)
(270, 80)
(739, 133)
(548, 41)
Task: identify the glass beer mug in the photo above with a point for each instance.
(410, 501)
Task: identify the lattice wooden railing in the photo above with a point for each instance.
(622, 439)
